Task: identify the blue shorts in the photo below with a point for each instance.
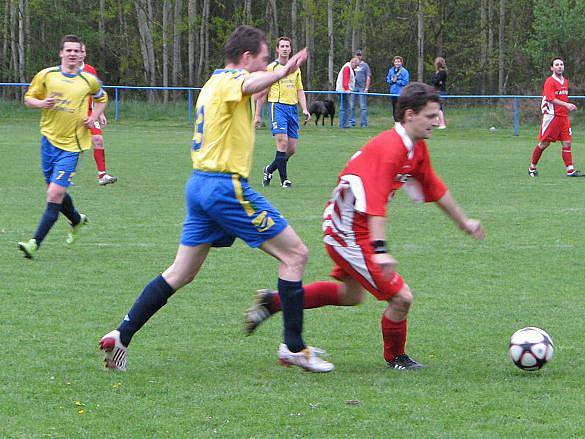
(284, 119)
(58, 165)
(223, 207)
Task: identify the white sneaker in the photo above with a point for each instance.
(308, 359)
(114, 351)
(286, 184)
(107, 179)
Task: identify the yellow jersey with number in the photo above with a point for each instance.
(63, 124)
(224, 125)
(285, 91)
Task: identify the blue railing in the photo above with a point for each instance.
(190, 91)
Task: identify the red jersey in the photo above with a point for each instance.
(372, 176)
(554, 88)
(90, 69)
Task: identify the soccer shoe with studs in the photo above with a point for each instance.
(107, 179)
(532, 172)
(403, 362)
(286, 184)
(29, 248)
(114, 351)
(266, 177)
(74, 233)
(308, 359)
(259, 311)
(575, 173)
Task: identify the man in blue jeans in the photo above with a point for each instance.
(363, 77)
(346, 84)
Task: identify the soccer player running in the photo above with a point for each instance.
(283, 97)
(221, 205)
(62, 94)
(97, 139)
(555, 123)
(355, 222)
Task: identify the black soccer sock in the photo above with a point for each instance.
(281, 160)
(272, 166)
(292, 298)
(153, 297)
(47, 220)
(68, 210)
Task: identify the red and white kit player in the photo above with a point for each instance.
(97, 140)
(555, 125)
(355, 222)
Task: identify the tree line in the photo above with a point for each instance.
(491, 46)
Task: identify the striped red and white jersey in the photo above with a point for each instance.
(555, 88)
(370, 179)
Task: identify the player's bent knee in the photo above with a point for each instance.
(402, 301)
(97, 142)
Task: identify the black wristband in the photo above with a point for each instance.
(379, 246)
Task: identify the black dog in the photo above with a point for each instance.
(322, 109)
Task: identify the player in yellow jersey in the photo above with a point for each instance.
(283, 97)
(221, 205)
(62, 94)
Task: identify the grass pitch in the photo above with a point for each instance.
(191, 371)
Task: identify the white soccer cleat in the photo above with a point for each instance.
(308, 359)
(107, 179)
(114, 351)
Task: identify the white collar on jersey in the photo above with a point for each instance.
(559, 80)
(408, 143)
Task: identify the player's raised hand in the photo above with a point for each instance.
(474, 228)
(296, 61)
(386, 262)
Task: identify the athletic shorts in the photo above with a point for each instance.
(356, 262)
(96, 130)
(284, 119)
(554, 128)
(58, 165)
(223, 207)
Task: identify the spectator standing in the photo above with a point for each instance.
(363, 78)
(398, 78)
(346, 83)
(439, 81)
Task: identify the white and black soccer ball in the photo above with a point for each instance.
(530, 348)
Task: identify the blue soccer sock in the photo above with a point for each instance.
(292, 303)
(69, 211)
(47, 220)
(153, 297)
(281, 160)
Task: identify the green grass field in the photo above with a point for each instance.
(192, 373)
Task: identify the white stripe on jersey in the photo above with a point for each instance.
(355, 257)
(339, 215)
(546, 121)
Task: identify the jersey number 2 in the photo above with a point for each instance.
(199, 120)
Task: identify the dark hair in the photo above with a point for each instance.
(69, 39)
(243, 39)
(552, 61)
(415, 96)
(284, 39)
(398, 57)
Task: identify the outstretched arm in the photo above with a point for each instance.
(259, 81)
(471, 226)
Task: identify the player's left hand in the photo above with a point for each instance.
(103, 120)
(307, 115)
(89, 122)
(386, 262)
(474, 228)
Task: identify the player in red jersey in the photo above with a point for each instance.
(555, 124)
(97, 139)
(355, 222)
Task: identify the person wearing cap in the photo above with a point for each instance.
(363, 78)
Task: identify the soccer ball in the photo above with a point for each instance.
(530, 348)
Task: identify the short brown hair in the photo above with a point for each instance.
(415, 96)
(284, 39)
(243, 39)
(398, 57)
(69, 39)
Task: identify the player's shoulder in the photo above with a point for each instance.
(272, 66)
(49, 70)
(89, 69)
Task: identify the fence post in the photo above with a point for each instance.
(515, 115)
(116, 104)
(190, 105)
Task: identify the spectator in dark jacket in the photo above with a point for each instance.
(439, 81)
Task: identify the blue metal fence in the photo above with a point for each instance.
(190, 90)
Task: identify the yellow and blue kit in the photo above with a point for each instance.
(282, 102)
(220, 203)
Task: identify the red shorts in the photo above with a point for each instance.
(356, 262)
(96, 130)
(553, 128)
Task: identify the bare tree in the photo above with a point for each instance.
(5, 34)
(331, 43)
(309, 42)
(144, 18)
(483, 27)
(192, 38)
(501, 85)
(21, 44)
(272, 19)
(177, 31)
(293, 24)
(355, 27)
(248, 12)
(420, 41)
(348, 26)
(203, 41)
(490, 49)
(102, 36)
(165, 48)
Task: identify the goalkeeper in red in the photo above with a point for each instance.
(354, 222)
(555, 123)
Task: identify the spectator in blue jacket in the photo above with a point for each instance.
(397, 78)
